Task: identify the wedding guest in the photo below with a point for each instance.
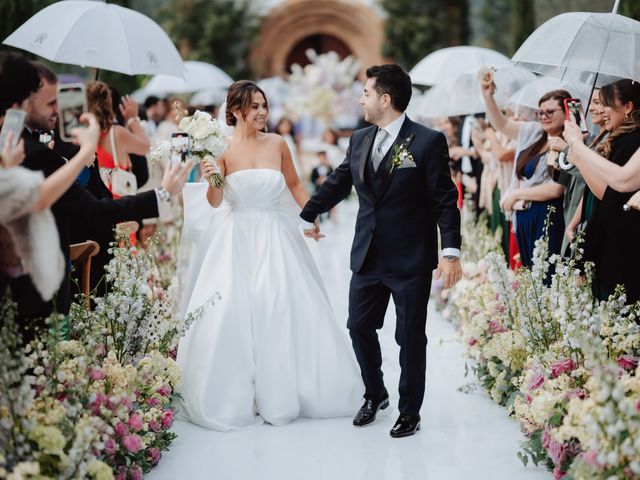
(612, 233)
(169, 125)
(28, 233)
(320, 173)
(155, 111)
(286, 130)
(77, 207)
(532, 195)
(575, 186)
(115, 141)
(330, 146)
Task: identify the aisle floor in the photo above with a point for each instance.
(463, 436)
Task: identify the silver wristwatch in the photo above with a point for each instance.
(163, 194)
(451, 258)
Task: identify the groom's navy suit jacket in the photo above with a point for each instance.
(399, 211)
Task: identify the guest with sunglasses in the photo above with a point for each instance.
(533, 195)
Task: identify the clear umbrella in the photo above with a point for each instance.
(584, 47)
(99, 35)
(529, 95)
(447, 64)
(462, 96)
(197, 76)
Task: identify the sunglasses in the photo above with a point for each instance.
(548, 113)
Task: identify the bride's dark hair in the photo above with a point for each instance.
(239, 97)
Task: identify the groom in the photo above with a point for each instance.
(401, 174)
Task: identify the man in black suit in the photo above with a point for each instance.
(400, 170)
(77, 205)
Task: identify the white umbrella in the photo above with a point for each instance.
(209, 96)
(197, 76)
(447, 64)
(462, 96)
(529, 95)
(100, 35)
(577, 46)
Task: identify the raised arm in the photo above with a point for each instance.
(597, 170)
(499, 121)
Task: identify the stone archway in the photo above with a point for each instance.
(353, 25)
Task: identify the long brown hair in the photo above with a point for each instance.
(239, 97)
(100, 104)
(624, 91)
(536, 148)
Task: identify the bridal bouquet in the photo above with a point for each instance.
(207, 140)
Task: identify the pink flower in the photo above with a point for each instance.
(135, 422)
(514, 285)
(628, 362)
(562, 366)
(166, 418)
(472, 342)
(155, 426)
(122, 473)
(97, 374)
(536, 382)
(591, 459)
(164, 390)
(135, 473)
(110, 446)
(153, 402)
(133, 443)
(558, 474)
(528, 399)
(155, 455)
(126, 403)
(495, 327)
(576, 393)
(638, 406)
(121, 429)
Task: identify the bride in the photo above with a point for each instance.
(270, 349)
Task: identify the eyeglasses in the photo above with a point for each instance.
(547, 113)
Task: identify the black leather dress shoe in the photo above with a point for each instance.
(369, 410)
(405, 426)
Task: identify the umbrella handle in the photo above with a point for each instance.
(615, 6)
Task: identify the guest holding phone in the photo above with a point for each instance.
(532, 195)
(612, 235)
(28, 234)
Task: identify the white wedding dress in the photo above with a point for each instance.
(270, 349)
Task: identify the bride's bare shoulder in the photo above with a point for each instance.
(272, 138)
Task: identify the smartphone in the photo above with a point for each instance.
(179, 147)
(13, 122)
(575, 113)
(72, 103)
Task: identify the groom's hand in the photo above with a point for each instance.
(314, 232)
(450, 271)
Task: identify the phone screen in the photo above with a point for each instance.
(72, 103)
(179, 147)
(575, 113)
(13, 122)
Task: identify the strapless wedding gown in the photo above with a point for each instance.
(270, 349)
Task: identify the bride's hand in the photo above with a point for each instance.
(210, 168)
(314, 232)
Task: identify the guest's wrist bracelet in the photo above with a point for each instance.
(133, 119)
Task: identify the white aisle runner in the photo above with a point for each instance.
(463, 436)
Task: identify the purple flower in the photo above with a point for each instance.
(155, 426)
(166, 418)
(135, 422)
(154, 454)
(121, 429)
(110, 446)
(97, 374)
(135, 472)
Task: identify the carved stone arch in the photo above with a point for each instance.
(354, 24)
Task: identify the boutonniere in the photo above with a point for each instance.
(400, 154)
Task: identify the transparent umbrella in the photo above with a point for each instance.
(99, 35)
(447, 64)
(197, 76)
(584, 47)
(529, 95)
(462, 96)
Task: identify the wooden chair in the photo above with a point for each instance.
(80, 254)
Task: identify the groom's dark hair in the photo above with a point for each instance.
(394, 81)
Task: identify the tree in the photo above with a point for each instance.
(214, 31)
(489, 21)
(630, 8)
(523, 22)
(415, 28)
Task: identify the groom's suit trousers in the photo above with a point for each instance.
(369, 295)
